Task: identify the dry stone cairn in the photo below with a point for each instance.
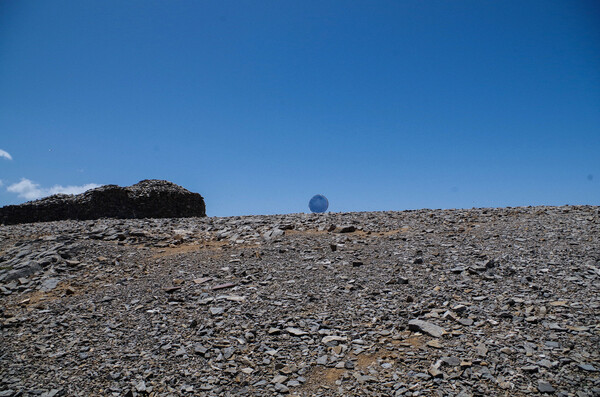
(150, 198)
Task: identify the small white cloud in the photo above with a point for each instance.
(1, 183)
(5, 154)
(71, 189)
(31, 191)
(26, 189)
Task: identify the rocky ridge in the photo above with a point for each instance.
(150, 198)
(474, 302)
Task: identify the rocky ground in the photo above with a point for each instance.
(475, 302)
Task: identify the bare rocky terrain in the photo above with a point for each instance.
(481, 302)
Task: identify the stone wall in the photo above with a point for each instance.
(150, 198)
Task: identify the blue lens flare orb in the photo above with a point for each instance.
(318, 204)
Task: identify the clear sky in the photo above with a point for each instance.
(259, 105)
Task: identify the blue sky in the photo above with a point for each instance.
(259, 105)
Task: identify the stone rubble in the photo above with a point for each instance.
(473, 302)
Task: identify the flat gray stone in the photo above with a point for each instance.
(23, 271)
(141, 386)
(426, 327)
(279, 379)
(216, 310)
(364, 378)
(49, 284)
(451, 361)
(588, 367)
(545, 387)
(281, 388)
(295, 331)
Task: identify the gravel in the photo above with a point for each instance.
(414, 303)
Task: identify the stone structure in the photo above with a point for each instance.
(150, 198)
